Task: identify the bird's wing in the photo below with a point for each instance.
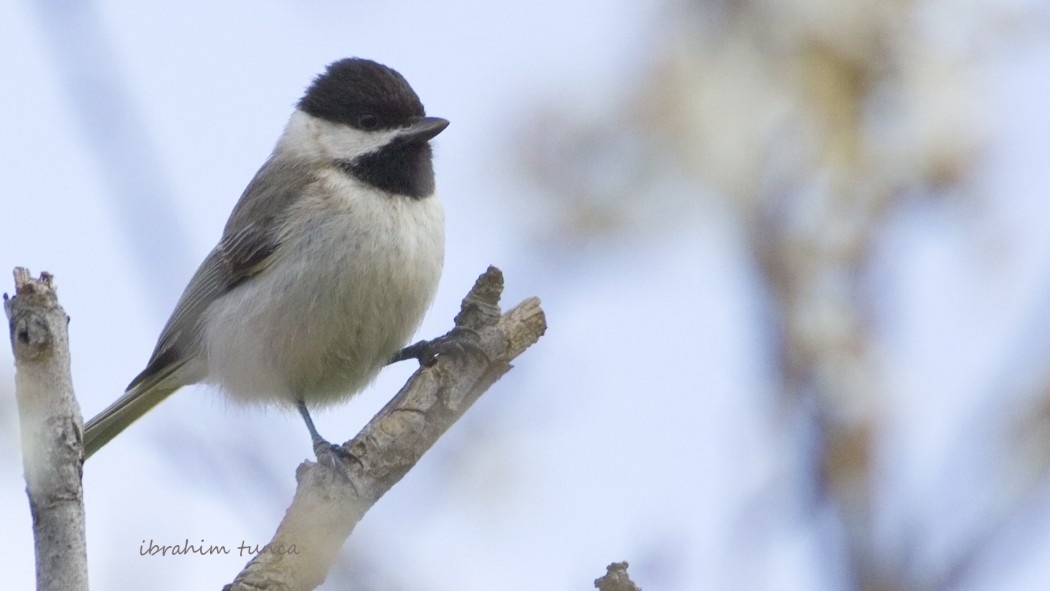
(249, 241)
(253, 232)
(248, 244)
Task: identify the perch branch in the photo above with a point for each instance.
(329, 502)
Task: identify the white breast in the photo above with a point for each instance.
(348, 287)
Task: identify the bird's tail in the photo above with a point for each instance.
(142, 395)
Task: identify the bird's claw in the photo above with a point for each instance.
(458, 341)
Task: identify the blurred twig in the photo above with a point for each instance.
(819, 124)
(119, 140)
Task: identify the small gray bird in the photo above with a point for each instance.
(326, 265)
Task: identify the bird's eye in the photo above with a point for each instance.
(367, 121)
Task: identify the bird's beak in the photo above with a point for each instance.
(423, 129)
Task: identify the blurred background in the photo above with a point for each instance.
(794, 258)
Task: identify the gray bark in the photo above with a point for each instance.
(52, 429)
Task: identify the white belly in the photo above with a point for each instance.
(347, 288)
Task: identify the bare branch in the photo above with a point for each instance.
(328, 503)
(616, 579)
(52, 446)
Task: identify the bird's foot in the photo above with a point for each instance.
(458, 341)
(334, 456)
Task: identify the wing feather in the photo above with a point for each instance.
(249, 242)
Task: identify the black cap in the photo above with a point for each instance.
(363, 94)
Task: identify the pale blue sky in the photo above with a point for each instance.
(658, 418)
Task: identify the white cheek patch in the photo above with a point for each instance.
(308, 137)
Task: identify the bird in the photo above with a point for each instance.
(325, 268)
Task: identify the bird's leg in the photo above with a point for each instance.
(456, 341)
(414, 351)
(314, 435)
(328, 453)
